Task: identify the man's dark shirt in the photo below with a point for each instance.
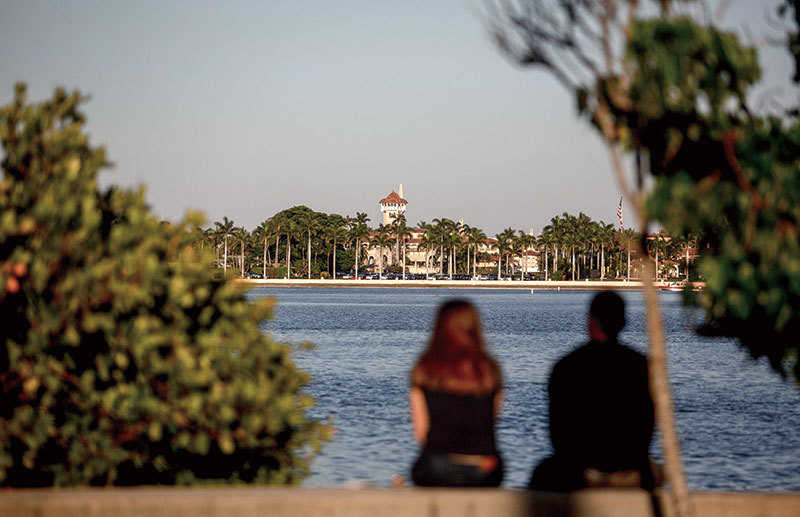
(601, 412)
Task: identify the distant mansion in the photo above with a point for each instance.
(422, 261)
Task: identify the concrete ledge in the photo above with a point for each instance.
(408, 502)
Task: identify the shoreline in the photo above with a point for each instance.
(530, 285)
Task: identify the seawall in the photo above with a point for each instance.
(454, 284)
(406, 502)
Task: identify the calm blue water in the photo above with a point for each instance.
(739, 423)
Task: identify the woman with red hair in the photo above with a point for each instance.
(456, 392)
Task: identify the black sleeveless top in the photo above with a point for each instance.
(460, 423)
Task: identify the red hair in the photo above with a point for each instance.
(455, 359)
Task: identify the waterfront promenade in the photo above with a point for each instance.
(550, 285)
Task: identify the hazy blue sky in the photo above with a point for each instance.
(243, 109)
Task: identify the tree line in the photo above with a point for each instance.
(570, 247)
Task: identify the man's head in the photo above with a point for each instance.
(606, 316)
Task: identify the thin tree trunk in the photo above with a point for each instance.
(629, 262)
(358, 246)
(427, 264)
(225, 260)
(288, 257)
(451, 259)
(687, 260)
(264, 269)
(572, 262)
(404, 257)
(657, 360)
(546, 272)
(475, 261)
(602, 261)
(656, 261)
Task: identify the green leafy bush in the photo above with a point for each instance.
(121, 360)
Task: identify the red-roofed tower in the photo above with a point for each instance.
(392, 206)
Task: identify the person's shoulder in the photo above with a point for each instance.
(574, 357)
(625, 350)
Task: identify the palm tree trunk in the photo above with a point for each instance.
(546, 272)
(555, 260)
(309, 255)
(572, 262)
(687, 260)
(427, 264)
(264, 269)
(404, 257)
(524, 265)
(602, 261)
(288, 256)
(450, 257)
(225, 260)
(629, 262)
(334, 259)
(475, 261)
(358, 246)
(656, 261)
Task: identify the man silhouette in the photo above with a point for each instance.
(601, 412)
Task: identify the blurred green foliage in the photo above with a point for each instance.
(671, 91)
(724, 173)
(121, 360)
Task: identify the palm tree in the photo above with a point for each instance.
(401, 232)
(502, 245)
(264, 232)
(338, 233)
(442, 226)
(570, 238)
(381, 239)
(451, 240)
(659, 244)
(556, 231)
(691, 237)
(358, 232)
(427, 242)
(546, 240)
(528, 241)
(425, 227)
(475, 238)
(606, 235)
(224, 229)
(276, 229)
(309, 224)
(508, 235)
(586, 233)
(290, 229)
(627, 238)
(240, 236)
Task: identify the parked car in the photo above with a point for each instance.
(255, 275)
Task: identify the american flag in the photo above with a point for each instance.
(619, 214)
